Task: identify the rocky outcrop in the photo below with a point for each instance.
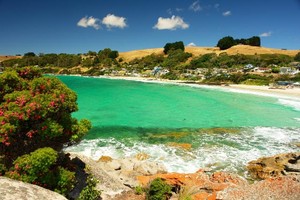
(119, 175)
(275, 166)
(17, 190)
(273, 188)
(206, 186)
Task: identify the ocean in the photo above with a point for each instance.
(184, 127)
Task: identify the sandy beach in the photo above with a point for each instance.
(290, 93)
(293, 93)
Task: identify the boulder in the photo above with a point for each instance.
(12, 189)
(117, 176)
(275, 166)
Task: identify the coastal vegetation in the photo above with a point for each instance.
(36, 123)
(228, 41)
(175, 61)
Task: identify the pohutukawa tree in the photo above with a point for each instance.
(35, 112)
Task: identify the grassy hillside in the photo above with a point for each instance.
(196, 51)
(2, 58)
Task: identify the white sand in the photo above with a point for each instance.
(290, 93)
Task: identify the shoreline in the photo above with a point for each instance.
(288, 93)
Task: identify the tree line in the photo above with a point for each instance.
(228, 41)
(103, 57)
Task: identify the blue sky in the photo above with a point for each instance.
(77, 26)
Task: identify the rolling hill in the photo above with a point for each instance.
(196, 51)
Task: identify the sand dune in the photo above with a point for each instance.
(196, 51)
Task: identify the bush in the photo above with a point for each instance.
(159, 190)
(139, 190)
(173, 46)
(226, 42)
(90, 192)
(35, 112)
(297, 57)
(40, 168)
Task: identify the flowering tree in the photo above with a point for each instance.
(35, 112)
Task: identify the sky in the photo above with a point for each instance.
(79, 26)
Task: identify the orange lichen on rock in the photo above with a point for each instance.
(206, 185)
(105, 159)
(175, 135)
(186, 146)
(275, 166)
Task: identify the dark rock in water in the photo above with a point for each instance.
(12, 189)
(275, 166)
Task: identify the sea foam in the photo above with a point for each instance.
(228, 152)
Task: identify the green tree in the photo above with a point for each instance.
(297, 57)
(173, 46)
(226, 43)
(254, 41)
(35, 112)
(29, 54)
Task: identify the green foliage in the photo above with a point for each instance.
(90, 192)
(297, 57)
(65, 181)
(204, 61)
(40, 168)
(148, 62)
(159, 190)
(173, 46)
(29, 54)
(68, 60)
(171, 76)
(175, 57)
(30, 167)
(35, 112)
(108, 53)
(226, 42)
(139, 190)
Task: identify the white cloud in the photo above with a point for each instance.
(195, 6)
(89, 22)
(266, 34)
(227, 13)
(192, 44)
(114, 21)
(170, 23)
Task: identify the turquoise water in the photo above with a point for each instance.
(225, 130)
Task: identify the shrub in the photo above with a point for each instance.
(159, 190)
(139, 190)
(297, 57)
(226, 42)
(40, 168)
(90, 192)
(35, 112)
(173, 46)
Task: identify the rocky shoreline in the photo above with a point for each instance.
(277, 177)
